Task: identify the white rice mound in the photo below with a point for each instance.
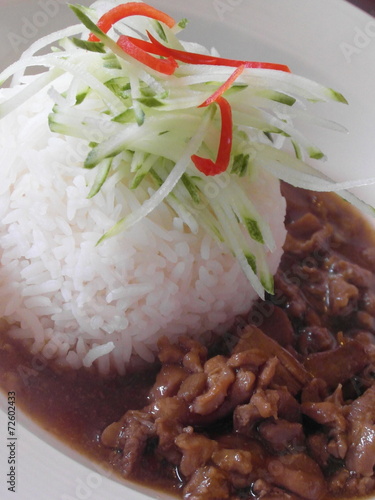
(87, 305)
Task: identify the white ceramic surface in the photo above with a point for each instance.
(328, 40)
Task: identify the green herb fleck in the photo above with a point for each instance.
(150, 102)
(191, 188)
(240, 164)
(125, 117)
(253, 229)
(183, 23)
(268, 283)
(160, 31)
(251, 260)
(89, 46)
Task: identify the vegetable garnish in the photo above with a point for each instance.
(226, 86)
(207, 166)
(165, 66)
(192, 58)
(164, 119)
(130, 9)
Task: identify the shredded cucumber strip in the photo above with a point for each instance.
(77, 69)
(295, 171)
(175, 175)
(41, 44)
(103, 171)
(257, 78)
(245, 209)
(143, 170)
(251, 248)
(229, 226)
(281, 110)
(147, 138)
(29, 91)
(276, 125)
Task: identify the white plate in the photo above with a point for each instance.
(327, 40)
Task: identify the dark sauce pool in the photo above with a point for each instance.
(77, 406)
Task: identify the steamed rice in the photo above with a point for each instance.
(83, 304)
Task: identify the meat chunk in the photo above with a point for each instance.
(361, 417)
(196, 451)
(168, 382)
(242, 388)
(325, 413)
(298, 474)
(289, 372)
(317, 444)
(237, 461)
(305, 247)
(187, 352)
(219, 378)
(278, 327)
(130, 438)
(331, 416)
(192, 386)
(195, 354)
(291, 295)
(237, 464)
(288, 406)
(351, 272)
(342, 296)
(268, 372)
(207, 483)
(263, 404)
(266, 491)
(168, 352)
(315, 391)
(251, 359)
(339, 365)
(345, 483)
(315, 339)
(282, 435)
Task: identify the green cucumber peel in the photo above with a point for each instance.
(89, 46)
(274, 95)
(191, 188)
(253, 229)
(268, 283)
(336, 96)
(81, 97)
(183, 23)
(160, 31)
(103, 171)
(150, 102)
(252, 261)
(240, 164)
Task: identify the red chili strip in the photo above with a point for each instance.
(192, 58)
(130, 9)
(166, 66)
(226, 85)
(207, 166)
(144, 45)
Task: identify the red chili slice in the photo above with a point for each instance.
(166, 66)
(226, 85)
(192, 58)
(207, 166)
(130, 9)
